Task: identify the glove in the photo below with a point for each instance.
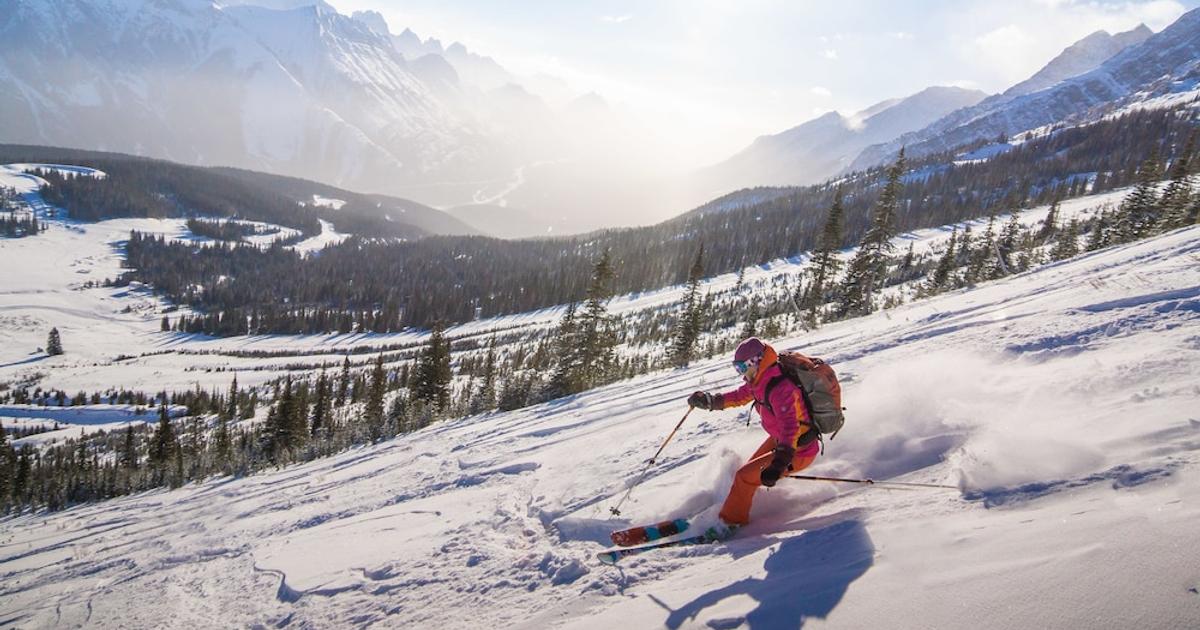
(703, 400)
(780, 462)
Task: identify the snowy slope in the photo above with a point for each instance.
(1062, 401)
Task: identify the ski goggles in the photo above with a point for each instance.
(744, 366)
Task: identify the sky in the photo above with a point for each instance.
(714, 74)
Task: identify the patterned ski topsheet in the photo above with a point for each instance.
(649, 533)
(710, 535)
(612, 556)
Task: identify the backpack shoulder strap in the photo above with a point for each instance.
(767, 390)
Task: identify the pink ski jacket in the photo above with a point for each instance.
(784, 416)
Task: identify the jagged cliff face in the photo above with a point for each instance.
(304, 91)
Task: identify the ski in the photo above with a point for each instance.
(711, 535)
(649, 533)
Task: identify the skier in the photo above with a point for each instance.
(791, 444)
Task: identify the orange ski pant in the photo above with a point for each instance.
(736, 510)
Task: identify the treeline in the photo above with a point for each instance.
(15, 224)
(19, 225)
(224, 230)
(144, 187)
(147, 188)
(305, 420)
(380, 286)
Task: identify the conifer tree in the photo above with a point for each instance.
(231, 401)
(373, 413)
(1138, 213)
(978, 258)
(868, 270)
(343, 384)
(54, 343)
(431, 383)
(1067, 244)
(1098, 238)
(129, 453)
(222, 443)
(566, 378)
(1010, 238)
(750, 325)
(945, 265)
(8, 472)
(1050, 223)
(825, 263)
(687, 329)
(398, 413)
(597, 339)
(321, 411)
(163, 445)
(284, 428)
(485, 398)
(1177, 197)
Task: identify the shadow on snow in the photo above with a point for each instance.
(806, 576)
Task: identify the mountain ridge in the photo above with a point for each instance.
(1160, 64)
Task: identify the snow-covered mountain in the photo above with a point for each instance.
(819, 148)
(1164, 63)
(301, 91)
(1083, 56)
(476, 70)
(305, 92)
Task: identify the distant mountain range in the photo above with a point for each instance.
(295, 88)
(1147, 67)
(822, 147)
(834, 143)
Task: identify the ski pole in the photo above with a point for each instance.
(905, 484)
(616, 509)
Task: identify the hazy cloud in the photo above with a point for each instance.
(616, 19)
(821, 91)
(829, 53)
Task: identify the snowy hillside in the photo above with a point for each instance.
(1061, 401)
